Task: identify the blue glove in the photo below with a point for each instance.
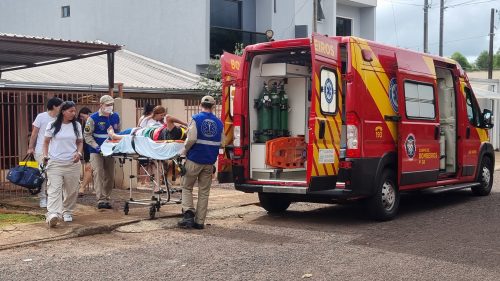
(98, 149)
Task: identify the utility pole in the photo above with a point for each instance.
(492, 34)
(441, 24)
(315, 14)
(426, 24)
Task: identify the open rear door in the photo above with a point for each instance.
(325, 122)
(418, 129)
(230, 66)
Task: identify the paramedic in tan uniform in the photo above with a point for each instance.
(95, 133)
(202, 145)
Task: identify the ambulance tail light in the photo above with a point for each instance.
(238, 151)
(352, 133)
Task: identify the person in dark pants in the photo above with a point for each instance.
(95, 133)
(83, 115)
(204, 138)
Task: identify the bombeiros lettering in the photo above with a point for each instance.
(324, 48)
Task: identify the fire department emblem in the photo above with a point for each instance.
(393, 94)
(208, 128)
(410, 146)
(328, 90)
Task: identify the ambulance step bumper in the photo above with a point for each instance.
(445, 188)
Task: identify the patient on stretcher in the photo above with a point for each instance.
(168, 131)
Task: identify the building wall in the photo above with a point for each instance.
(159, 29)
(153, 28)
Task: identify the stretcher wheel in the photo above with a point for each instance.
(126, 208)
(158, 206)
(152, 212)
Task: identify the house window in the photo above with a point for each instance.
(419, 100)
(65, 12)
(319, 11)
(344, 27)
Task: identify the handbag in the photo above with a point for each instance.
(26, 176)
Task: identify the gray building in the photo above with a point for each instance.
(185, 33)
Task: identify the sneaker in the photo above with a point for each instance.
(52, 220)
(67, 217)
(187, 221)
(43, 202)
(101, 205)
(107, 205)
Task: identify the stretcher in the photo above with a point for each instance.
(142, 149)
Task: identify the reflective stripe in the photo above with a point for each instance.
(101, 136)
(214, 143)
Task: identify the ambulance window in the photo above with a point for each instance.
(419, 100)
(472, 111)
(328, 94)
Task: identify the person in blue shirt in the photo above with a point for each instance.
(204, 138)
(95, 133)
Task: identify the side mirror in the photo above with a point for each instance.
(487, 116)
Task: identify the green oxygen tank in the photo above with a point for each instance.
(275, 110)
(266, 116)
(259, 106)
(283, 112)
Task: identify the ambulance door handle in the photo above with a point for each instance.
(436, 133)
(322, 129)
(467, 133)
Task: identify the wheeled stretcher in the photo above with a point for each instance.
(143, 149)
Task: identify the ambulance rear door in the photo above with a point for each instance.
(230, 66)
(323, 148)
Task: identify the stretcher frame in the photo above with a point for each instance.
(156, 201)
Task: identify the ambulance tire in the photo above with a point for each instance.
(274, 203)
(485, 178)
(384, 204)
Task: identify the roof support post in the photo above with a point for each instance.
(111, 71)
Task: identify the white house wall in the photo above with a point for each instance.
(183, 26)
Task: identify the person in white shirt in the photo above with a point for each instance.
(156, 118)
(37, 136)
(62, 151)
(147, 113)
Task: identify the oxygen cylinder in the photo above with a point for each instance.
(266, 116)
(259, 106)
(275, 110)
(283, 111)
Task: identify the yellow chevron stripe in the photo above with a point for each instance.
(377, 84)
(430, 64)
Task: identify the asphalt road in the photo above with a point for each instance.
(452, 236)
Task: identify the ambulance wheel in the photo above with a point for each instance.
(485, 178)
(273, 203)
(384, 204)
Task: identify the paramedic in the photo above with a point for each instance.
(95, 133)
(83, 115)
(37, 138)
(62, 152)
(204, 138)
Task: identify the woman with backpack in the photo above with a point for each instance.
(62, 151)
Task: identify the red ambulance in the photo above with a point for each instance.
(363, 121)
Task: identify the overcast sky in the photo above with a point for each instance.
(466, 25)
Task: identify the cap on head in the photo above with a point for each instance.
(208, 99)
(106, 99)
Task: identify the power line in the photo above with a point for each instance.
(471, 2)
(395, 27)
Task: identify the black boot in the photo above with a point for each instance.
(187, 221)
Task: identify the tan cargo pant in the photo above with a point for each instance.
(43, 190)
(103, 169)
(202, 173)
(62, 187)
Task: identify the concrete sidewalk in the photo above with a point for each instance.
(87, 220)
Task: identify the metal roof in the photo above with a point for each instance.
(136, 72)
(19, 51)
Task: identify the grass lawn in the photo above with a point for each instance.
(6, 219)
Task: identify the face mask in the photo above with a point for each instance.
(108, 109)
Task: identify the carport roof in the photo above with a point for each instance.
(18, 51)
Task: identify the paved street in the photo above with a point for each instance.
(450, 236)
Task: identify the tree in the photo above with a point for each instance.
(482, 60)
(211, 81)
(496, 59)
(461, 60)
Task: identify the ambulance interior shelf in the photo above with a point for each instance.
(279, 92)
